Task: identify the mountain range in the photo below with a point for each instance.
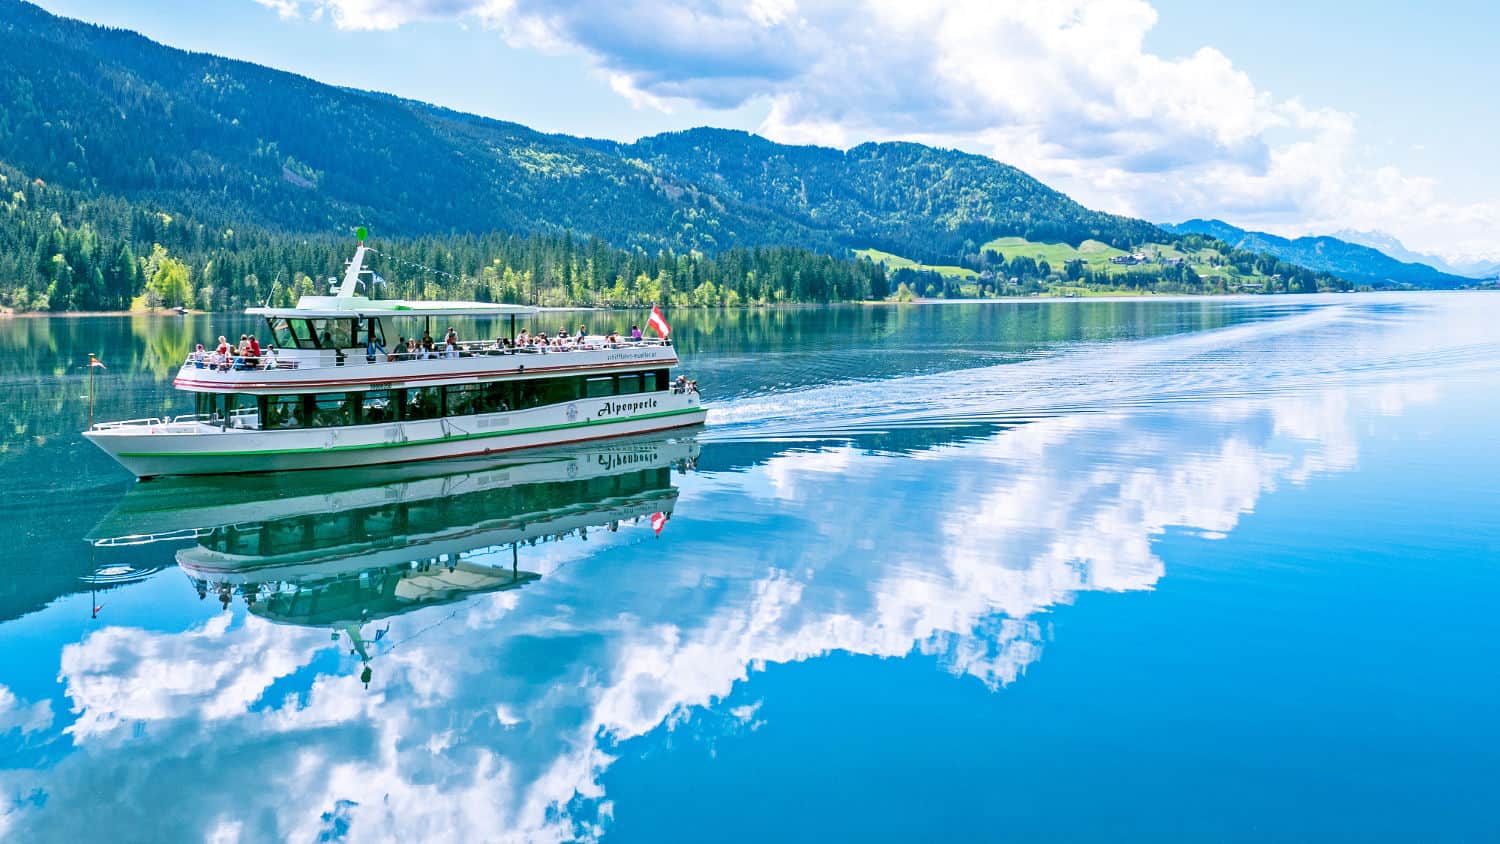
(1388, 244)
(1352, 261)
(97, 116)
(108, 111)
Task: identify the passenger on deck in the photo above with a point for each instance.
(252, 355)
(635, 334)
(523, 339)
(612, 339)
(411, 349)
(680, 385)
(223, 347)
(270, 356)
(583, 334)
(199, 357)
(218, 361)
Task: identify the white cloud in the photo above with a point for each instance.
(16, 714)
(1064, 89)
(284, 9)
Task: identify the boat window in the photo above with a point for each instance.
(462, 399)
(599, 387)
(242, 410)
(207, 405)
(330, 410)
(649, 384)
(281, 333)
(375, 407)
(302, 333)
(526, 394)
(630, 383)
(332, 333)
(284, 412)
(558, 390)
(423, 403)
(495, 398)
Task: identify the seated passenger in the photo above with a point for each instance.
(635, 334)
(270, 357)
(411, 349)
(199, 357)
(583, 334)
(612, 339)
(252, 353)
(223, 347)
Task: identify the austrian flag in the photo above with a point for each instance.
(659, 322)
(658, 521)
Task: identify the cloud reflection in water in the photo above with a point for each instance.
(498, 721)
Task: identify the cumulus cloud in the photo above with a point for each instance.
(1064, 89)
(16, 714)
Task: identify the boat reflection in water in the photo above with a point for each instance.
(356, 546)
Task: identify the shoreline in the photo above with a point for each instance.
(70, 314)
(1095, 297)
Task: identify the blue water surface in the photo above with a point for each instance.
(1168, 570)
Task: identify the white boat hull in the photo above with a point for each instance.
(201, 449)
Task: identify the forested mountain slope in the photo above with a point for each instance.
(131, 172)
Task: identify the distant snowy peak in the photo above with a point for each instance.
(1390, 245)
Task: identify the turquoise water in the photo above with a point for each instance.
(1167, 570)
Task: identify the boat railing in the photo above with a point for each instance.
(187, 423)
(266, 362)
(465, 349)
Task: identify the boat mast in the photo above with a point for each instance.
(356, 266)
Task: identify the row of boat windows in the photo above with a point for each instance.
(329, 410)
(328, 333)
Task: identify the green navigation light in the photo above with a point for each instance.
(361, 232)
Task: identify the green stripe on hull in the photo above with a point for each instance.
(587, 423)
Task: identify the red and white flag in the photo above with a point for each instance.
(658, 521)
(93, 361)
(659, 322)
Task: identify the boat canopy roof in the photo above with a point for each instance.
(346, 304)
(323, 307)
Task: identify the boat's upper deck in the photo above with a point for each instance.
(311, 370)
(352, 342)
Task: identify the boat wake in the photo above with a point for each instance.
(1306, 350)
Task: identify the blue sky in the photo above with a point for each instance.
(1313, 118)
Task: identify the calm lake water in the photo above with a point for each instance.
(1207, 570)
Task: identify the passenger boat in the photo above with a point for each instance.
(333, 391)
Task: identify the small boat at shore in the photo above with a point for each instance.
(333, 391)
